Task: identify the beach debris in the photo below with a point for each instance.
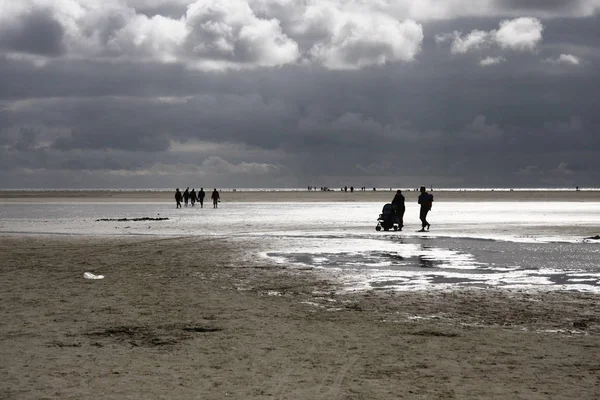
(89, 275)
(581, 324)
(597, 237)
(132, 219)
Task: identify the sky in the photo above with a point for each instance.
(292, 93)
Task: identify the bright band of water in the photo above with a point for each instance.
(531, 245)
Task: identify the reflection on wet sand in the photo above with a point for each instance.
(408, 264)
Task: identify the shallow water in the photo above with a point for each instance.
(517, 245)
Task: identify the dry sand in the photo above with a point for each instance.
(12, 196)
(192, 318)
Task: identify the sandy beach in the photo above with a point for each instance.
(380, 196)
(188, 317)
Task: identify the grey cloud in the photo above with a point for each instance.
(480, 129)
(26, 139)
(168, 8)
(554, 6)
(36, 32)
(541, 4)
(119, 139)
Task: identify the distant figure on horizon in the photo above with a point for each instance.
(201, 196)
(351, 189)
(186, 196)
(178, 198)
(425, 200)
(215, 198)
(399, 207)
(193, 197)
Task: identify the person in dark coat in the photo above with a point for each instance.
(186, 196)
(399, 207)
(215, 198)
(178, 198)
(193, 197)
(201, 195)
(425, 200)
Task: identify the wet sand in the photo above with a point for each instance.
(380, 196)
(196, 318)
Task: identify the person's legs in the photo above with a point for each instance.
(423, 217)
(201, 203)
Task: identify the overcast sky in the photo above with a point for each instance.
(291, 93)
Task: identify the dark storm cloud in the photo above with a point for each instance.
(37, 33)
(541, 5)
(99, 139)
(347, 123)
(26, 139)
(440, 118)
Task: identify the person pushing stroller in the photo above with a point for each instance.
(399, 208)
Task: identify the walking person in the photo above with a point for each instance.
(215, 198)
(425, 200)
(178, 198)
(201, 195)
(186, 196)
(193, 197)
(399, 207)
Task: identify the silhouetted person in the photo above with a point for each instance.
(351, 189)
(346, 189)
(178, 198)
(193, 197)
(201, 196)
(399, 207)
(425, 200)
(215, 198)
(186, 196)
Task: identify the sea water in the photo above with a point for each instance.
(527, 245)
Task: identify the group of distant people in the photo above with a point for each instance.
(344, 189)
(191, 197)
(425, 200)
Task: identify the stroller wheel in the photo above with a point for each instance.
(395, 228)
(377, 228)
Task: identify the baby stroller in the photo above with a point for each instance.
(388, 219)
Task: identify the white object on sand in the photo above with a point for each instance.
(89, 275)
